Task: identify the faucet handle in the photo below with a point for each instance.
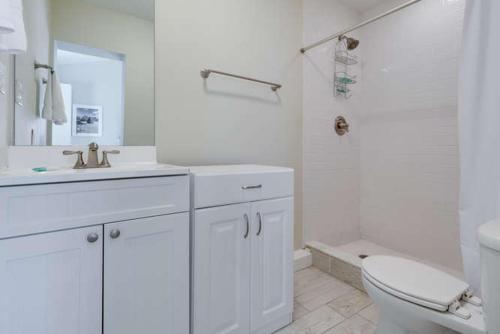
(79, 159)
(105, 162)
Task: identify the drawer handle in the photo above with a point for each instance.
(248, 226)
(92, 237)
(114, 234)
(259, 216)
(252, 187)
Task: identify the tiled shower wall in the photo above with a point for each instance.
(393, 179)
(408, 126)
(330, 163)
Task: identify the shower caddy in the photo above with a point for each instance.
(343, 60)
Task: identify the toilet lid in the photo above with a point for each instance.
(414, 281)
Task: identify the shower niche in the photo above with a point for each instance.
(344, 59)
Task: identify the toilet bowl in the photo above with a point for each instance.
(414, 298)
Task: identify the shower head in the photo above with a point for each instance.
(350, 42)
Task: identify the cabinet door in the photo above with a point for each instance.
(146, 276)
(221, 274)
(271, 261)
(52, 283)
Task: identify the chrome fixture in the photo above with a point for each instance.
(351, 43)
(93, 160)
(47, 67)
(105, 162)
(80, 164)
(92, 237)
(114, 234)
(359, 25)
(258, 186)
(341, 126)
(206, 73)
(247, 222)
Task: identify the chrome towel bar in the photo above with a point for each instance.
(205, 73)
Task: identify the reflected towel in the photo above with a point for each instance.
(15, 42)
(6, 24)
(53, 104)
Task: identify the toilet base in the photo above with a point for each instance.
(405, 325)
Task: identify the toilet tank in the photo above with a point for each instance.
(489, 240)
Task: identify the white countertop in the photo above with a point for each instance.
(17, 177)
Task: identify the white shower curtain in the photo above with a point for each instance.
(479, 127)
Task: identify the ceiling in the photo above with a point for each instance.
(364, 5)
(144, 9)
(65, 57)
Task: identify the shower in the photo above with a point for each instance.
(350, 42)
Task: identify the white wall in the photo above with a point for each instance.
(331, 162)
(120, 33)
(98, 84)
(409, 153)
(5, 106)
(225, 120)
(37, 22)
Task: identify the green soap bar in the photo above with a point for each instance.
(39, 169)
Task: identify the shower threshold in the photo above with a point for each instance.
(344, 261)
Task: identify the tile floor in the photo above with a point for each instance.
(326, 305)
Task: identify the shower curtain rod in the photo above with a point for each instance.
(359, 25)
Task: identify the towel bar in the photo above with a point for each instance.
(206, 73)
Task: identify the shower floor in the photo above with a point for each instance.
(344, 261)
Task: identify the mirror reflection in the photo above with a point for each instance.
(87, 75)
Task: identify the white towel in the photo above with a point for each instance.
(15, 42)
(53, 105)
(6, 24)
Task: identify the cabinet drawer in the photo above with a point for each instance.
(41, 208)
(238, 184)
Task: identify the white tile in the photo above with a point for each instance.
(354, 325)
(323, 294)
(299, 311)
(351, 303)
(317, 322)
(370, 313)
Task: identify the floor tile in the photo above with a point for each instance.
(323, 294)
(351, 303)
(299, 311)
(317, 322)
(354, 325)
(370, 313)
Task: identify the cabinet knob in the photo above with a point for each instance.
(114, 234)
(92, 237)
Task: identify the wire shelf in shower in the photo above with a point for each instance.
(343, 57)
(343, 78)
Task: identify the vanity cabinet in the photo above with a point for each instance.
(242, 251)
(116, 276)
(146, 275)
(52, 283)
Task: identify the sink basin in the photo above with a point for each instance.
(13, 177)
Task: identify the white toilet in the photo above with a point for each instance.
(417, 299)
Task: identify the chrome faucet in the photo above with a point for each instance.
(93, 160)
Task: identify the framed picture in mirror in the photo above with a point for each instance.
(87, 120)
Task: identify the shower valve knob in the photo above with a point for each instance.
(341, 126)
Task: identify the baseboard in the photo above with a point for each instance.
(302, 259)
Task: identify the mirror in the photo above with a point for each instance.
(88, 74)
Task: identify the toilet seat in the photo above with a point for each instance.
(416, 283)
